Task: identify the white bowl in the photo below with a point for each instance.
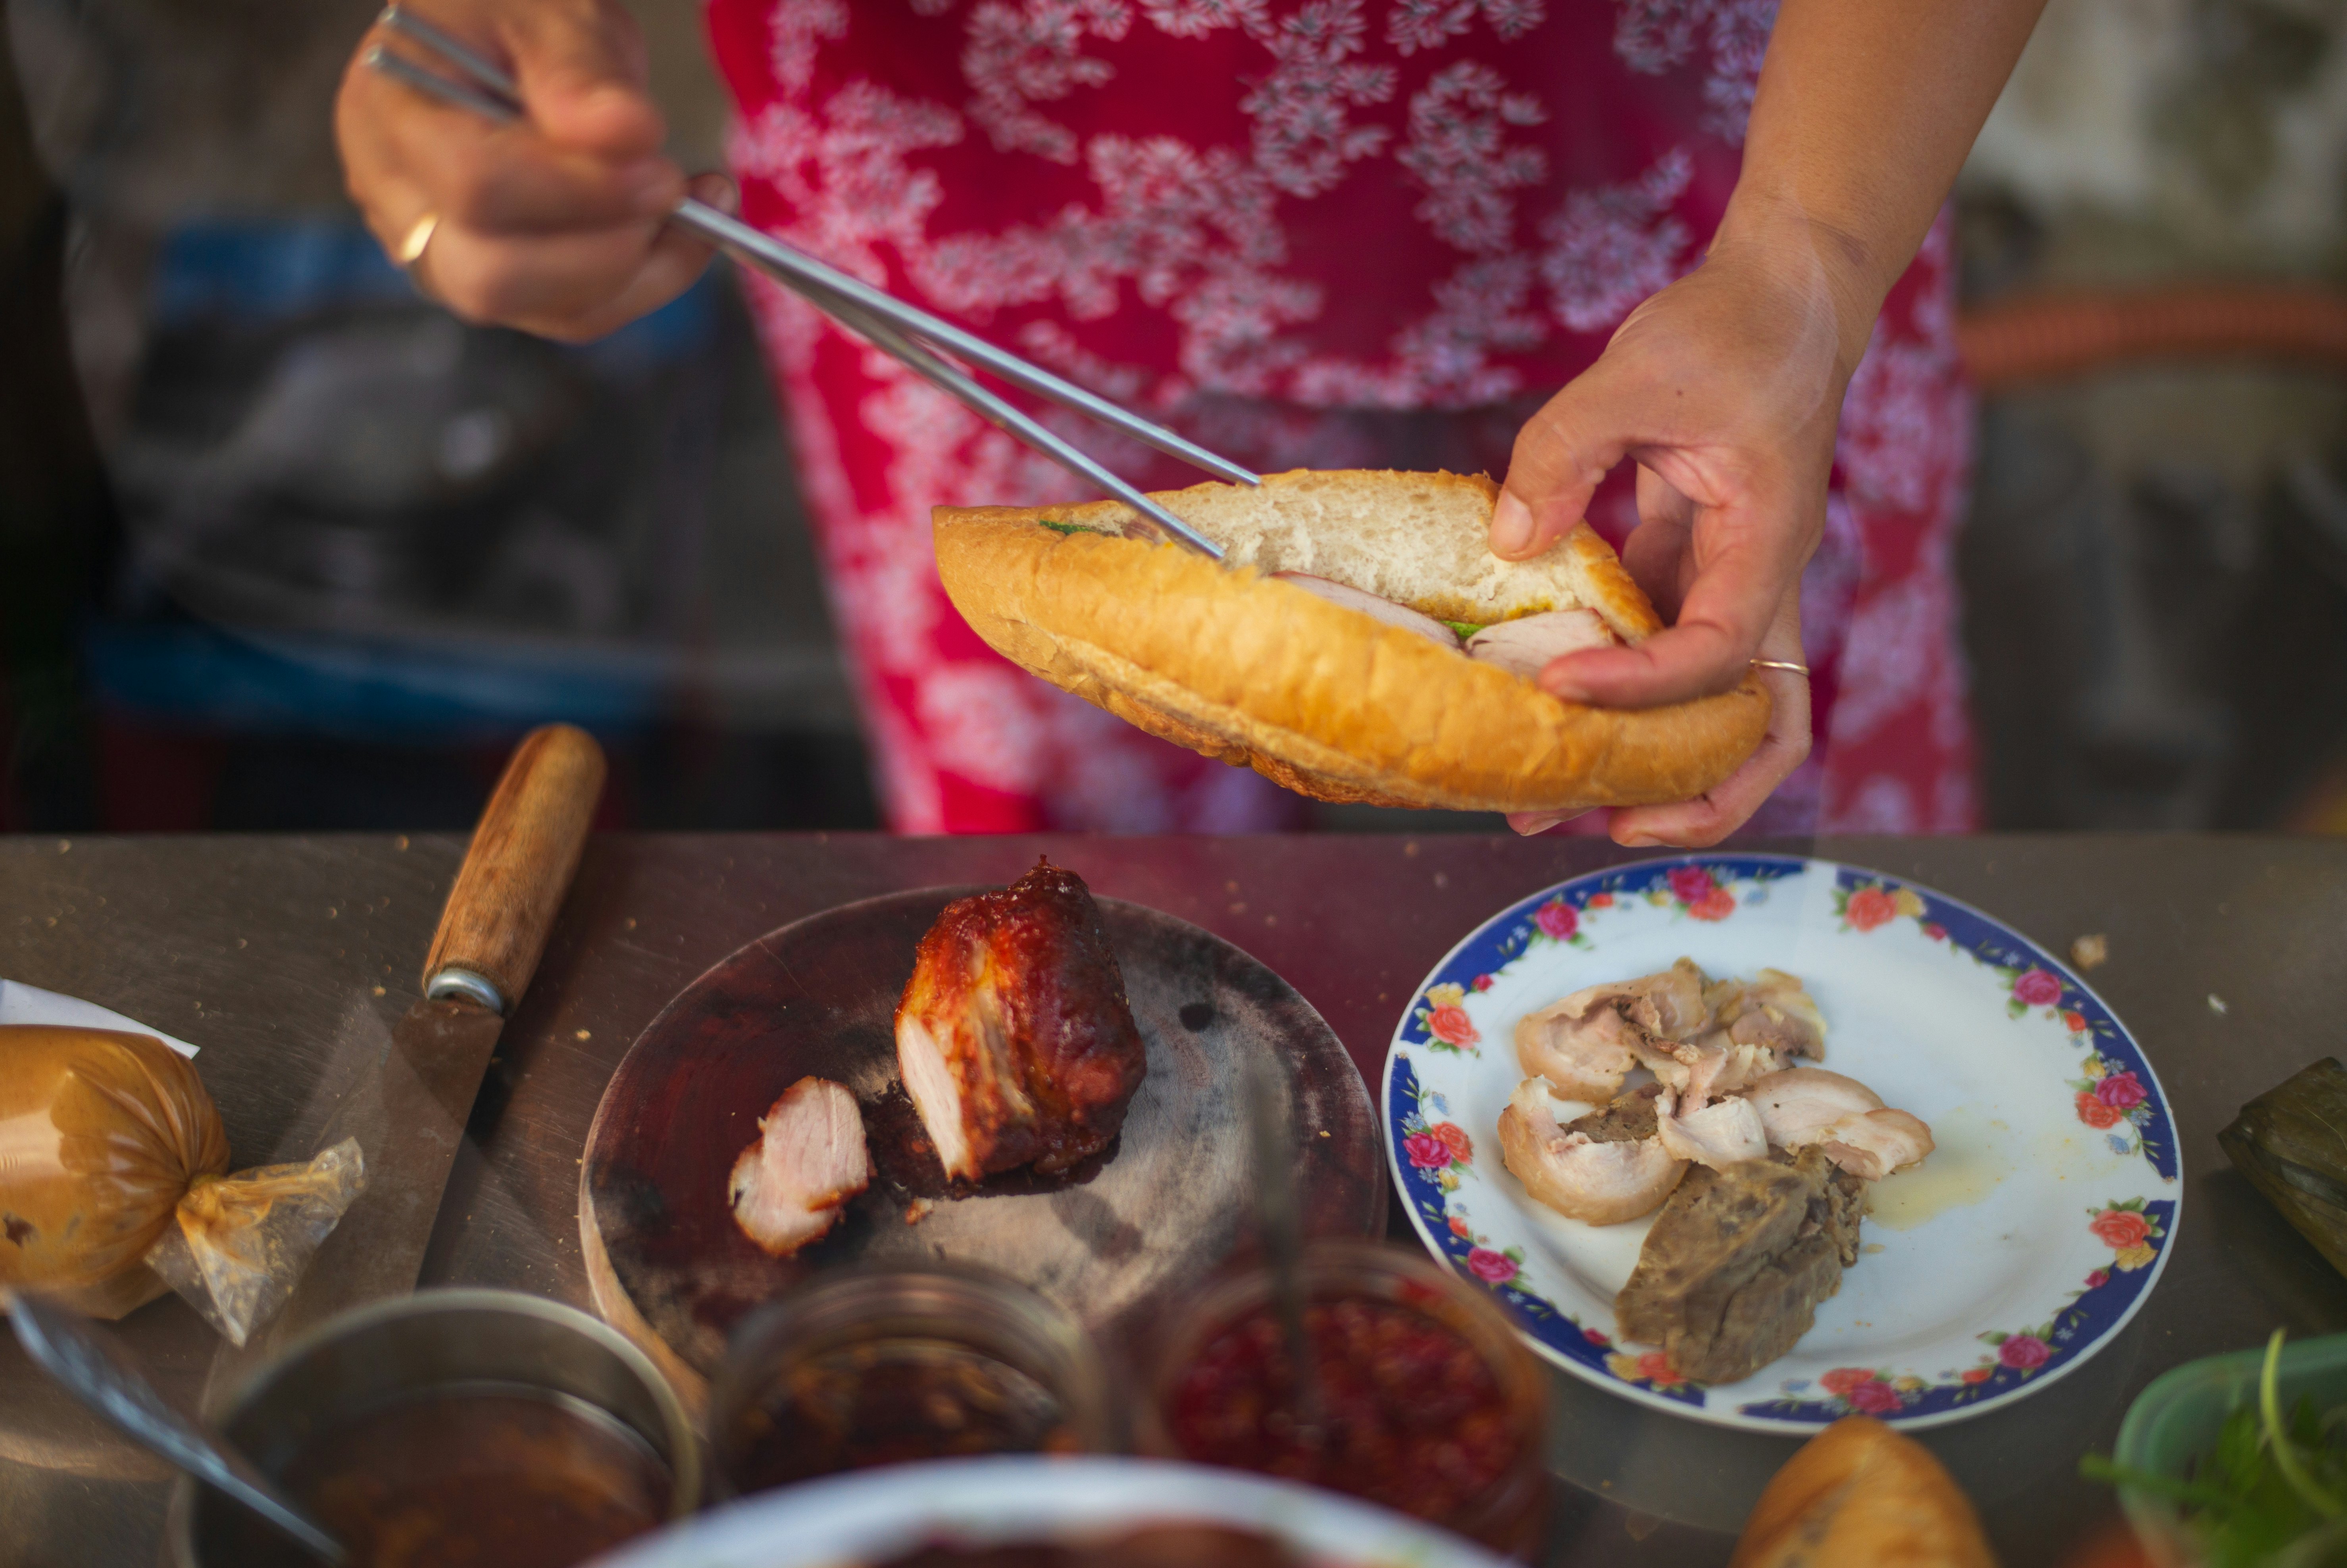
(871, 1516)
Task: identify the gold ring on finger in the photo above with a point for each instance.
(1786, 664)
(419, 235)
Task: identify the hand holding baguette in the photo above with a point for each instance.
(1726, 388)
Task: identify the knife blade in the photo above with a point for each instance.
(409, 1111)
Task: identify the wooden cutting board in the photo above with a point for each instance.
(1114, 1242)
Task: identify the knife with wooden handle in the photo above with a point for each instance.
(409, 1112)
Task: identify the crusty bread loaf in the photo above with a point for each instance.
(1325, 700)
(1858, 1495)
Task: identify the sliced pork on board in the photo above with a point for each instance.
(788, 1188)
(1014, 1037)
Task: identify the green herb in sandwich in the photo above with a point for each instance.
(2271, 1493)
(1073, 528)
(1465, 629)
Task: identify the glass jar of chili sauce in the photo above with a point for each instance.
(1431, 1403)
(873, 1367)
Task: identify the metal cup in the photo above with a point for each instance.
(451, 1340)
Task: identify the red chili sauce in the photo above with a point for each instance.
(1415, 1419)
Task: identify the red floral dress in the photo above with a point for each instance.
(1326, 233)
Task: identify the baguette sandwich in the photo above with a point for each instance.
(1359, 643)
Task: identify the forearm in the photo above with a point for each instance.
(1865, 111)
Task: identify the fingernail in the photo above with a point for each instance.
(1557, 680)
(1511, 526)
(1638, 841)
(720, 192)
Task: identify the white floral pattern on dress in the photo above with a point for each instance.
(799, 27)
(1020, 54)
(1304, 134)
(1457, 151)
(1197, 18)
(1611, 247)
(1653, 37)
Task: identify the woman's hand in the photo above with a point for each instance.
(1726, 389)
(555, 224)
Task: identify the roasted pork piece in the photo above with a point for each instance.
(788, 1188)
(1587, 1043)
(1734, 1268)
(1605, 1168)
(1014, 1035)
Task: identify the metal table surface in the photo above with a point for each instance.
(286, 958)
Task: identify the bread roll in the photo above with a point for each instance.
(1323, 698)
(1858, 1495)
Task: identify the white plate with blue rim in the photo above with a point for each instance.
(2018, 1250)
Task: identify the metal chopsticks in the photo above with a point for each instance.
(912, 335)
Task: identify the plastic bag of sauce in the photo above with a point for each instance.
(113, 1185)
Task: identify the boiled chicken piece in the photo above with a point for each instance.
(1369, 604)
(1846, 1120)
(1718, 1135)
(1603, 1168)
(1524, 646)
(1667, 1005)
(1587, 1043)
(1797, 1106)
(1582, 1045)
(788, 1188)
(1877, 1144)
(1774, 1011)
(1706, 1069)
(1014, 1036)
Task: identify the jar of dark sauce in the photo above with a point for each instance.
(869, 1367)
(454, 1429)
(486, 1476)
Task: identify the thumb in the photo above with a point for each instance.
(1561, 456)
(582, 70)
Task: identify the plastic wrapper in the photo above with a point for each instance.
(113, 1185)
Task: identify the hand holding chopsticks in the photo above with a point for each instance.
(913, 336)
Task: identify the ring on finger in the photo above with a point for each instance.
(1785, 665)
(419, 234)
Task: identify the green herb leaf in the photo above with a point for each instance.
(1465, 629)
(1057, 528)
(2284, 1447)
(2102, 1467)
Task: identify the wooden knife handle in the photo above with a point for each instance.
(525, 851)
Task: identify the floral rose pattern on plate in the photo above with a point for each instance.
(1444, 1019)
(1865, 908)
(2128, 1231)
(1434, 1153)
